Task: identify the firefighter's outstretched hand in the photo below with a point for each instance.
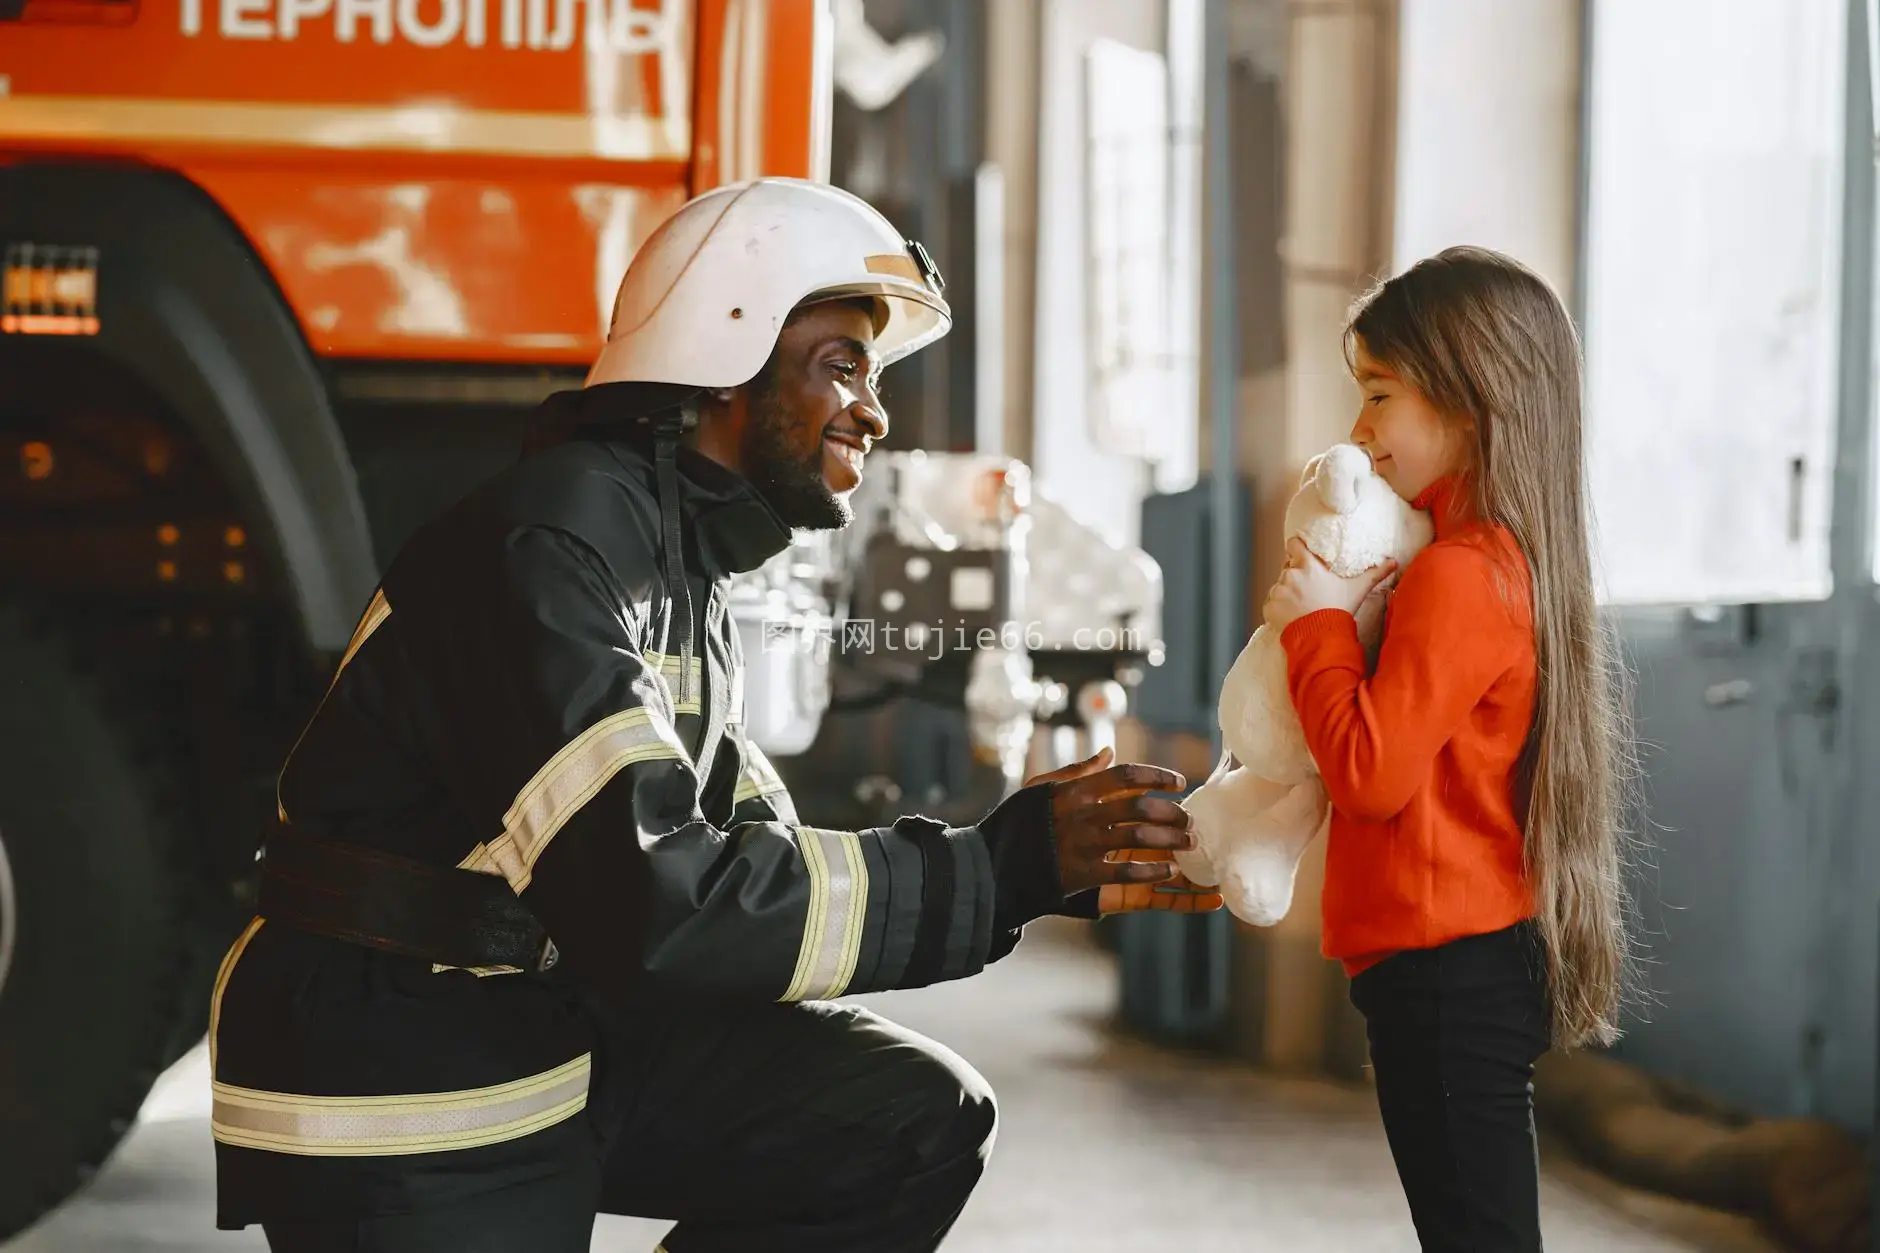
(1112, 835)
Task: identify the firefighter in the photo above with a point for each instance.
(540, 933)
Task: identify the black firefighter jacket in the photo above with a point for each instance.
(513, 702)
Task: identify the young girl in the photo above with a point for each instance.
(1473, 873)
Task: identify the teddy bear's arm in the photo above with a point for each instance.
(1451, 637)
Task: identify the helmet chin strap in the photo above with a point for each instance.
(669, 427)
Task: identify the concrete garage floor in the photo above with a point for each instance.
(1211, 1156)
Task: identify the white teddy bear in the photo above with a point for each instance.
(1253, 821)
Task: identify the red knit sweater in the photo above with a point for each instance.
(1419, 758)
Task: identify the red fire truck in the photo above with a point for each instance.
(279, 278)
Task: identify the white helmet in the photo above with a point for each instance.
(705, 299)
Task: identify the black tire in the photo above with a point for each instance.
(92, 1002)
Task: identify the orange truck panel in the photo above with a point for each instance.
(431, 179)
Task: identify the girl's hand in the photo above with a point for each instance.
(1308, 585)
(1370, 614)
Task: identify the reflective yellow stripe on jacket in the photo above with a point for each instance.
(222, 975)
(567, 782)
(758, 778)
(379, 1126)
(838, 902)
(378, 609)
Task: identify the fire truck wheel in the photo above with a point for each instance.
(93, 937)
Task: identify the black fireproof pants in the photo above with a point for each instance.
(777, 1127)
(1455, 1032)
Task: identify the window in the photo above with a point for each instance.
(1127, 237)
(1715, 151)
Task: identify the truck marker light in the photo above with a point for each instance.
(36, 460)
(49, 290)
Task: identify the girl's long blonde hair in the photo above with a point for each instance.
(1489, 343)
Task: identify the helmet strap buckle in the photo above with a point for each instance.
(929, 272)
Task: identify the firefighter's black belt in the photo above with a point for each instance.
(380, 900)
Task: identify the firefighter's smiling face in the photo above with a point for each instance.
(799, 431)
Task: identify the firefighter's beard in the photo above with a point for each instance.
(791, 481)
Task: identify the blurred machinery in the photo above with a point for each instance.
(910, 660)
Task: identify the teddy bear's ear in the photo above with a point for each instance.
(1345, 467)
(1312, 468)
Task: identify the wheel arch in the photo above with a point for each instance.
(185, 304)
